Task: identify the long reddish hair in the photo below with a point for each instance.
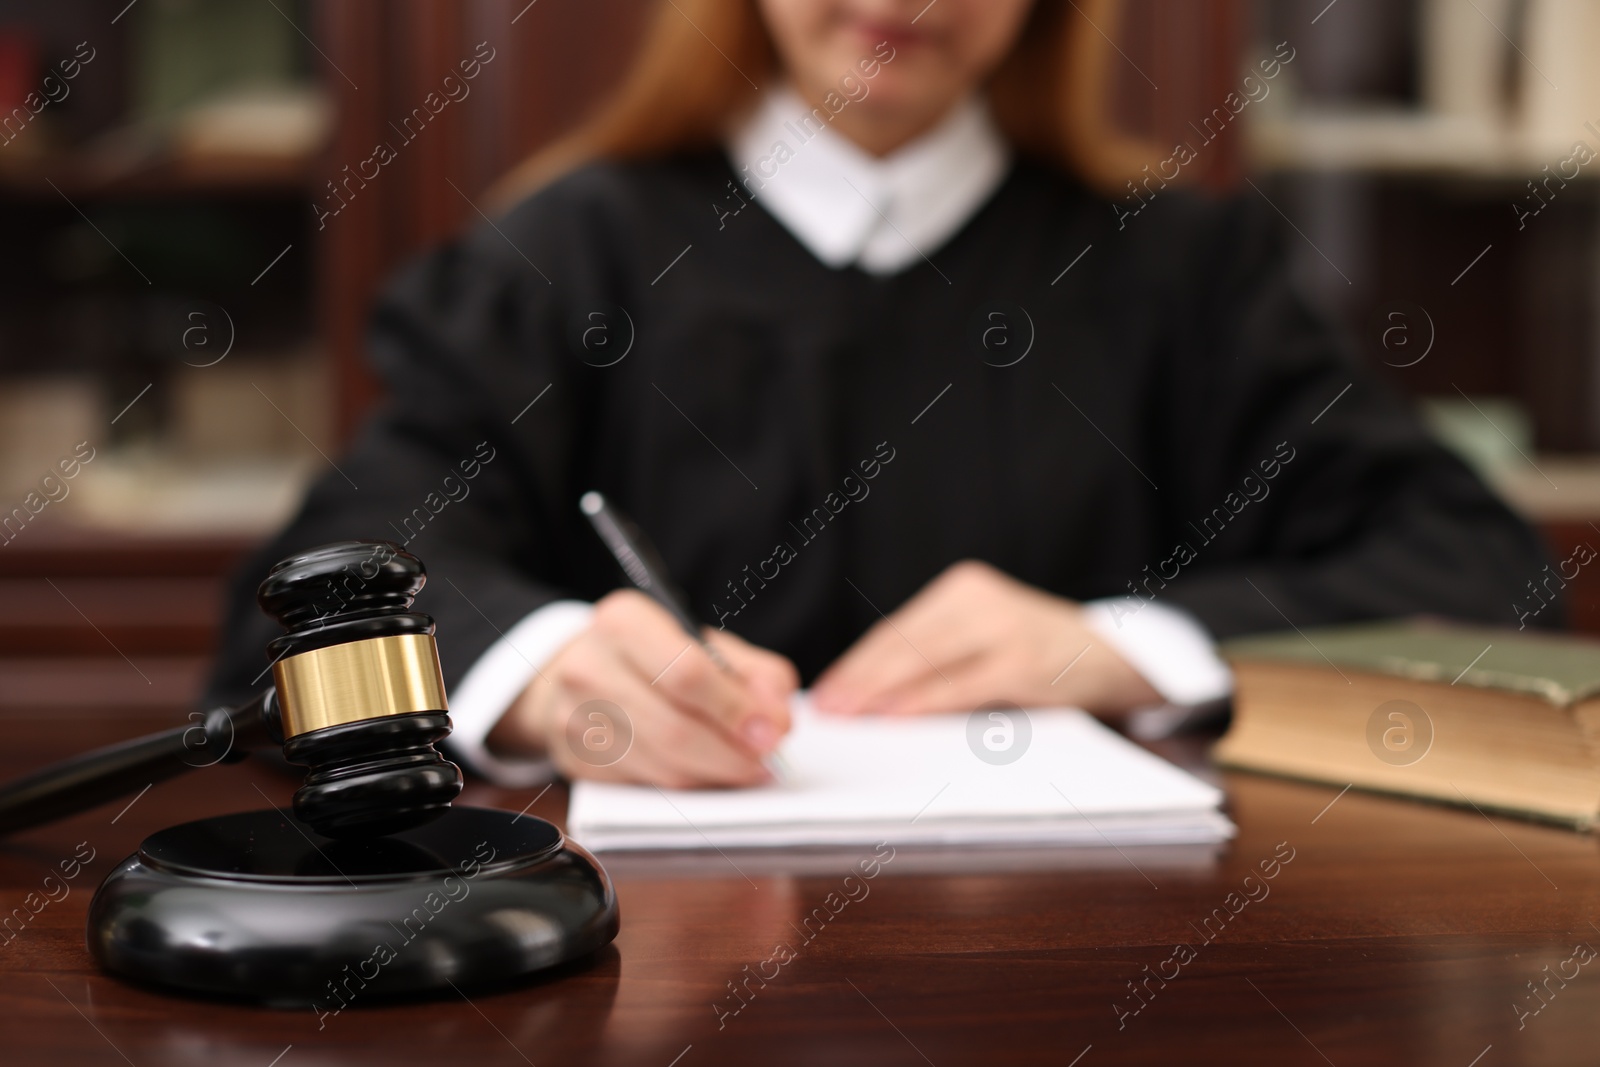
(1048, 95)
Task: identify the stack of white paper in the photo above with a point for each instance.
(921, 781)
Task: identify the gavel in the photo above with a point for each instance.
(357, 698)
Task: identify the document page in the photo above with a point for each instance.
(1002, 776)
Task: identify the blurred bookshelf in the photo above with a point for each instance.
(177, 299)
(152, 164)
(1439, 159)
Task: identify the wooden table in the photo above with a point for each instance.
(1399, 933)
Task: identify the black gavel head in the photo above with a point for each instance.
(360, 698)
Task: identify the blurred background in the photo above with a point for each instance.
(197, 212)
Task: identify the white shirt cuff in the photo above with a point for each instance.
(1165, 644)
(493, 683)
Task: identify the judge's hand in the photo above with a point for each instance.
(972, 635)
(683, 722)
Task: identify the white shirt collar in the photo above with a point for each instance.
(903, 206)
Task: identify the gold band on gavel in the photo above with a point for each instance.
(357, 681)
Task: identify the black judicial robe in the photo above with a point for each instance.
(808, 445)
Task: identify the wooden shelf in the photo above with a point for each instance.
(1554, 489)
(1402, 141)
(84, 176)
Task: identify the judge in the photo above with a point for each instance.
(920, 411)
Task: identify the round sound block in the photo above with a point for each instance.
(257, 905)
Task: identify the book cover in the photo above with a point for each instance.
(1560, 669)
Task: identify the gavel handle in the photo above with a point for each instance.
(221, 735)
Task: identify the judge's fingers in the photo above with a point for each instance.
(915, 642)
(879, 660)
(772, 677)
(958, 614)
(676, 749)
(620, 729)
(672, 663)
(959, 686)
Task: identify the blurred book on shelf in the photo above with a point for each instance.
(1492, 433)
(155, 494)
(231, 455)
(19, 72)
(1495, 436)
(220, 81)
(287, 123)
(1553, 489)
(211, 93)
(40, 420)
(1558, 88)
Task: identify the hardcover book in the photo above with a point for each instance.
(1504, 720)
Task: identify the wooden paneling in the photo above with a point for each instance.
(549, 66)
(1178, 60)
(105, 616)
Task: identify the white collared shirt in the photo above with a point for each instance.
(883, 215)
(848, 207)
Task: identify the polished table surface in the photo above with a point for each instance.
(1398, 933)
